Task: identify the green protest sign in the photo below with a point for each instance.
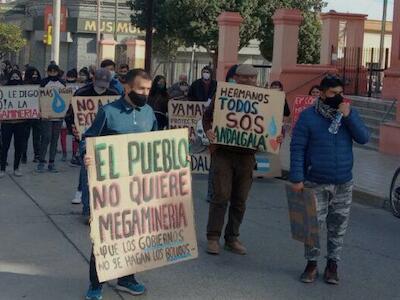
(142, 214)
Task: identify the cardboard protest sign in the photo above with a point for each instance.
(300, 104)
(201, 162)
(54, 102)
(19, 102)
(75, 86)
(185, 114)
(267, 166)
(188, 114)
(303, 216)
(85, 110)
(248, 117)
(142, 214)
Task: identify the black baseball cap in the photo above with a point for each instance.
(53, 67)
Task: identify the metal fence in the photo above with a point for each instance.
(361, 70)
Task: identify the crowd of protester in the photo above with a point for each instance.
(145, 100)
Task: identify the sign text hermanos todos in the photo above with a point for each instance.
(248, 117)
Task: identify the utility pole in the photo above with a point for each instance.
(149, 35)
(55, 46)
(98, 33)
(382, 43)
(116, 20)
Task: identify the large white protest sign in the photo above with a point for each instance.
(248, 117)
(142, 214)
(19, 102)
(54, 102)
(85, 110)
(187, 114)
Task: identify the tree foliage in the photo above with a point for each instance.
(11, 39)
(188, 22)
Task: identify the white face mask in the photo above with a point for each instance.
(206, 76)
(112, 74)
(15, 77)
(184, 88)
(99, 90)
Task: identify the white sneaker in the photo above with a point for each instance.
(78, 198)
(2, 174)
(17, 173)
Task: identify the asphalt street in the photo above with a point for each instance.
(45, 246)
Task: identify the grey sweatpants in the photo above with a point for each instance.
(50, 132)
(333, 207)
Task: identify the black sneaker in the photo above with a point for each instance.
(310, 273)
(331, 275)
(75, 162)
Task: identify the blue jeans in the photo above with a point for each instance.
(94, 279)
(84, 182)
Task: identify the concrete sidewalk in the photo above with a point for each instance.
(373, 172)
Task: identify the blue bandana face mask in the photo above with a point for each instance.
(231, 80)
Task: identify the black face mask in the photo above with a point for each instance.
(138, 100)
(53, 78)
(71, 81)
(334, 102)
(14, 82)
(122, 78)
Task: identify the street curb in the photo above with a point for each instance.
(366, 198)
(361, 196)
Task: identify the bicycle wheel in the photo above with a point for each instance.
(395, 194)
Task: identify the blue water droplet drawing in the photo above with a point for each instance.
(58, 103)
(272, 130)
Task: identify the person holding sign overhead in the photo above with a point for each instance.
(321, 158)
(16, 128)
(130, 114)
(233, 176)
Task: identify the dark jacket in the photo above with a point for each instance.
(48, 80)
(198, 92)
(14, 82)
(88, 90)
(159, 103)
(321, 157)
(28, 76)
(116, 85)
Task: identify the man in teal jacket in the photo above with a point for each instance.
(130, 114)
(322, 159)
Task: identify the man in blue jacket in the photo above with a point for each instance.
(322, 159)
